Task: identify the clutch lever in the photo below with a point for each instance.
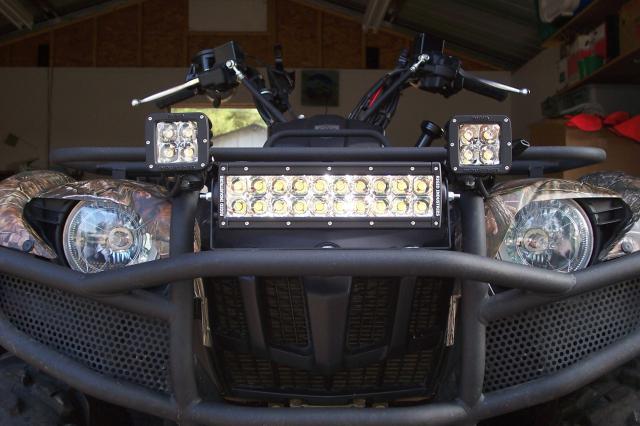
(166, 93)
(494, 84)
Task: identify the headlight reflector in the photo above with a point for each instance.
(550, 234)
(100, 236)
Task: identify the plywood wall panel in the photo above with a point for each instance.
(299, 31)
(390, 45)
(164, 33)
(341, 42)
(24, 53)
(74, 45)
(117, 42)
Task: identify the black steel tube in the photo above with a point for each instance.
(236, 262)
(552, 158)
(226, 414)
(98, 153)
(562, 382)
(514, 301)
(310, 133)
(182, 369)
(474, 293)
(329, 154)
(81, 377)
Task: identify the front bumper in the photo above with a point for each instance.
(531, 289)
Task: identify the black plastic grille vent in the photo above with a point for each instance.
(371, 307)
(111, 341)
(286, 311)
(551, 337)
(228, 309)
(427, 306)
(408, 371)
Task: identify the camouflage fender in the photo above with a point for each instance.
(15, 192)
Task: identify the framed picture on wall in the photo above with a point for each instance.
(320, 88)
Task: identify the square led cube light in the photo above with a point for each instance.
(177, 142)
(480, 144)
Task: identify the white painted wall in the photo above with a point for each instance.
(540, 75)
(91, 106)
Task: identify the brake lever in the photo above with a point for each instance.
(495, 84)
(165, 93)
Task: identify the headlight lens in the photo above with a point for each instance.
(100, 236)
(553, 234)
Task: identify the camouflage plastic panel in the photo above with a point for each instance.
(628, 187)
(507, 199)
(147, 200)
(15, 192)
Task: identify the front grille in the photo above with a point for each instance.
(372, 310)
(551, 337)
(108, 340)
(285, 309)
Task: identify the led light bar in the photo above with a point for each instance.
(480, 144)
(177, 142)
(346, 195)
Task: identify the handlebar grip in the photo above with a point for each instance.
(474, 84)
(179, 96)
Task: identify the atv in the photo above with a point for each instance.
(326, 271)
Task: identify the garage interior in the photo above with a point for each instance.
(70, 68)
(331, 272)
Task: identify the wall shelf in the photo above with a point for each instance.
(623, 69)
(590, 16)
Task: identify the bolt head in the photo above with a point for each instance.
(151, 166)
(148, 142)
(435, 223)
(202, 164)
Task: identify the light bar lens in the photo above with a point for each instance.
(479, 144)
(176, 142)
(329, 196)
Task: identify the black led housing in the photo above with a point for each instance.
(479, 144)
(177, 141)
(330, 195)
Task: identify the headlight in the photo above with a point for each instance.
(177, 142)
(480, 144)
(551, 234)
(100, 236)
(338, 195)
